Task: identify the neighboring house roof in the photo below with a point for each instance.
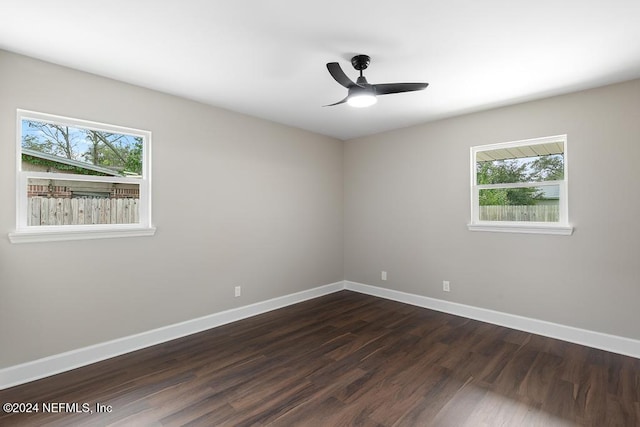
(550, 192)
(70, 162)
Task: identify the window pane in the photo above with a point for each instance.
(538, 204)
(530, 163)
(54, 147)
(66, 202)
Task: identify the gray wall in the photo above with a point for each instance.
(237, 201)
(407, 205)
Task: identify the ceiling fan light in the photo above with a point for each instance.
(362, 100)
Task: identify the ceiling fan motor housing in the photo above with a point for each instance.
(360, 62)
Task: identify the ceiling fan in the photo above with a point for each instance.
(361, 93)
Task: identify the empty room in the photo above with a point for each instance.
(319, 214)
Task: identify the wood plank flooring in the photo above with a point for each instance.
(348, 359)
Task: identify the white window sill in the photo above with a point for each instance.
(87, 234)
(530, 228)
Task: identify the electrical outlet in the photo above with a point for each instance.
(238, 291)
(445, 286)
(383, 275)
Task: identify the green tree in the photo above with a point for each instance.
(115, 151)
(31, 142)
(501, 172)
(56, 139)
(118, 152)
(134, 159)
(547, 168)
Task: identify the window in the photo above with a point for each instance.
(520, 186)
(80, 180)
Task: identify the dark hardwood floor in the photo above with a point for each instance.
(347, 359)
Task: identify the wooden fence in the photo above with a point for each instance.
(65, 211)
(540, 213)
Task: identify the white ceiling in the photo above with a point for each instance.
(267, 58)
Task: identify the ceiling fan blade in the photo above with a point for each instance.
(336, 72)
(387, 88)
(336, 103)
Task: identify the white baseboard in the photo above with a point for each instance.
(41, 368)
(612, 343)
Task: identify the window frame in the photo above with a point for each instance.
(44, 233)
(561, 227)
